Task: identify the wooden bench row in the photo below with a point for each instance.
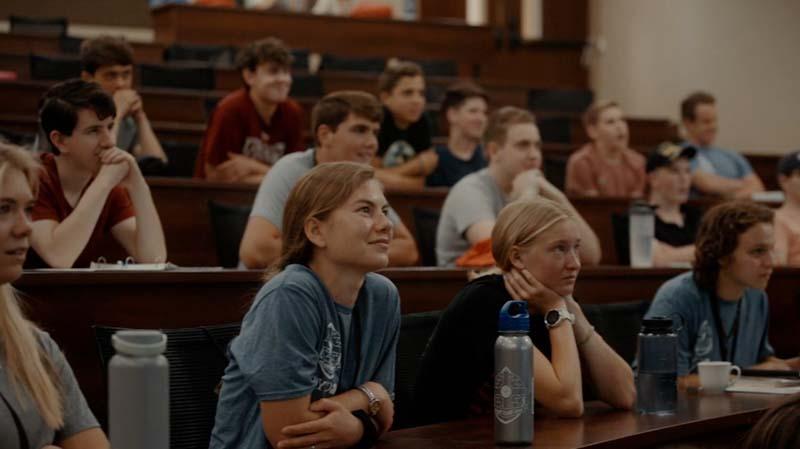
(228, 79)
(183, 207)
(174, 109)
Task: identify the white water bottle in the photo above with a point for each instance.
(641, 234)
(138, 391)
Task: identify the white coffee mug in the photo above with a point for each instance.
(715, 377)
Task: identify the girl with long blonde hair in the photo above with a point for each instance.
(40, 401)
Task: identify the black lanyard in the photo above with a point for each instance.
(722, 336)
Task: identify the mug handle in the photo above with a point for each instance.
(737, 375)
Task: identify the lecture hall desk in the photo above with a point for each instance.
(67, 303)
(707, 421)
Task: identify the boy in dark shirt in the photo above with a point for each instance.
(465, 107)
(405, 130)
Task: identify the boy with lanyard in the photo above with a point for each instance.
(720, 307)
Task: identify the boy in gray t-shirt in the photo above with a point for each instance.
(514, 145)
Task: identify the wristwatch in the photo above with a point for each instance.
(374, 402)
(554, 317)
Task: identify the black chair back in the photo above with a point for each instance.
(415, 331)
(177, 76)
(439, 67)
(307, 86)
(426, 221)
(300, 59)
(197, 359)
(348, 64)
(55, 26)
(555, 129)
(554, 166)
(560, 100)
(181, 156)
(620, 225)
(618, 324)
(215, 55)
(70, 45)
(228, 222)
(55, 69)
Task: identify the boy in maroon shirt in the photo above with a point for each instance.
(90, 189)
(251, 128)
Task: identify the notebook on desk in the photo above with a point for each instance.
(766, 385)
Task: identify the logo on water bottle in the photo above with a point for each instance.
(510, 396)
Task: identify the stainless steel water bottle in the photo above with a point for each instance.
(513, 376)
(138, 391)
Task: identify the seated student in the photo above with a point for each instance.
(535, 243)
(720, 305)
(345, 126)
(676, 222)
(108, 61)
(464, 106)
(40, 401)
(90, 189)
(513, 144)
(715, 171)
(405, 130)
(322, 316)
(787, 218)
(251, 128)
(606, 166)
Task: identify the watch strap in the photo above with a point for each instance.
(374, 403)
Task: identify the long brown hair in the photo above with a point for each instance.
(777, 428)
(318, 193)
(30, 370)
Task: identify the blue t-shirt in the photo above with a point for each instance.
(451, 169)
(720, 162)
(690, 308)
(293, 343)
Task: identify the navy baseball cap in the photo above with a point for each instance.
(789, 163)
(666, 153)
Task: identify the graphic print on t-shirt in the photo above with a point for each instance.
(260, 150)
(704, 344)
(330, 361)
(510, 396)
(398, 152)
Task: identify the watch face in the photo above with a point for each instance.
(552, 317)
(374, 407)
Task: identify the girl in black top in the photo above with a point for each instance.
(535, 243)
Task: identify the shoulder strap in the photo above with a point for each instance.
(23, 437)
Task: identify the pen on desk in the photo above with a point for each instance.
(791, 374)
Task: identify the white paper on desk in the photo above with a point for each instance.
(766, 385)
(132, 266)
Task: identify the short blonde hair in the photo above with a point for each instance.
(520, 223)
(15, 157)
(592, 113)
